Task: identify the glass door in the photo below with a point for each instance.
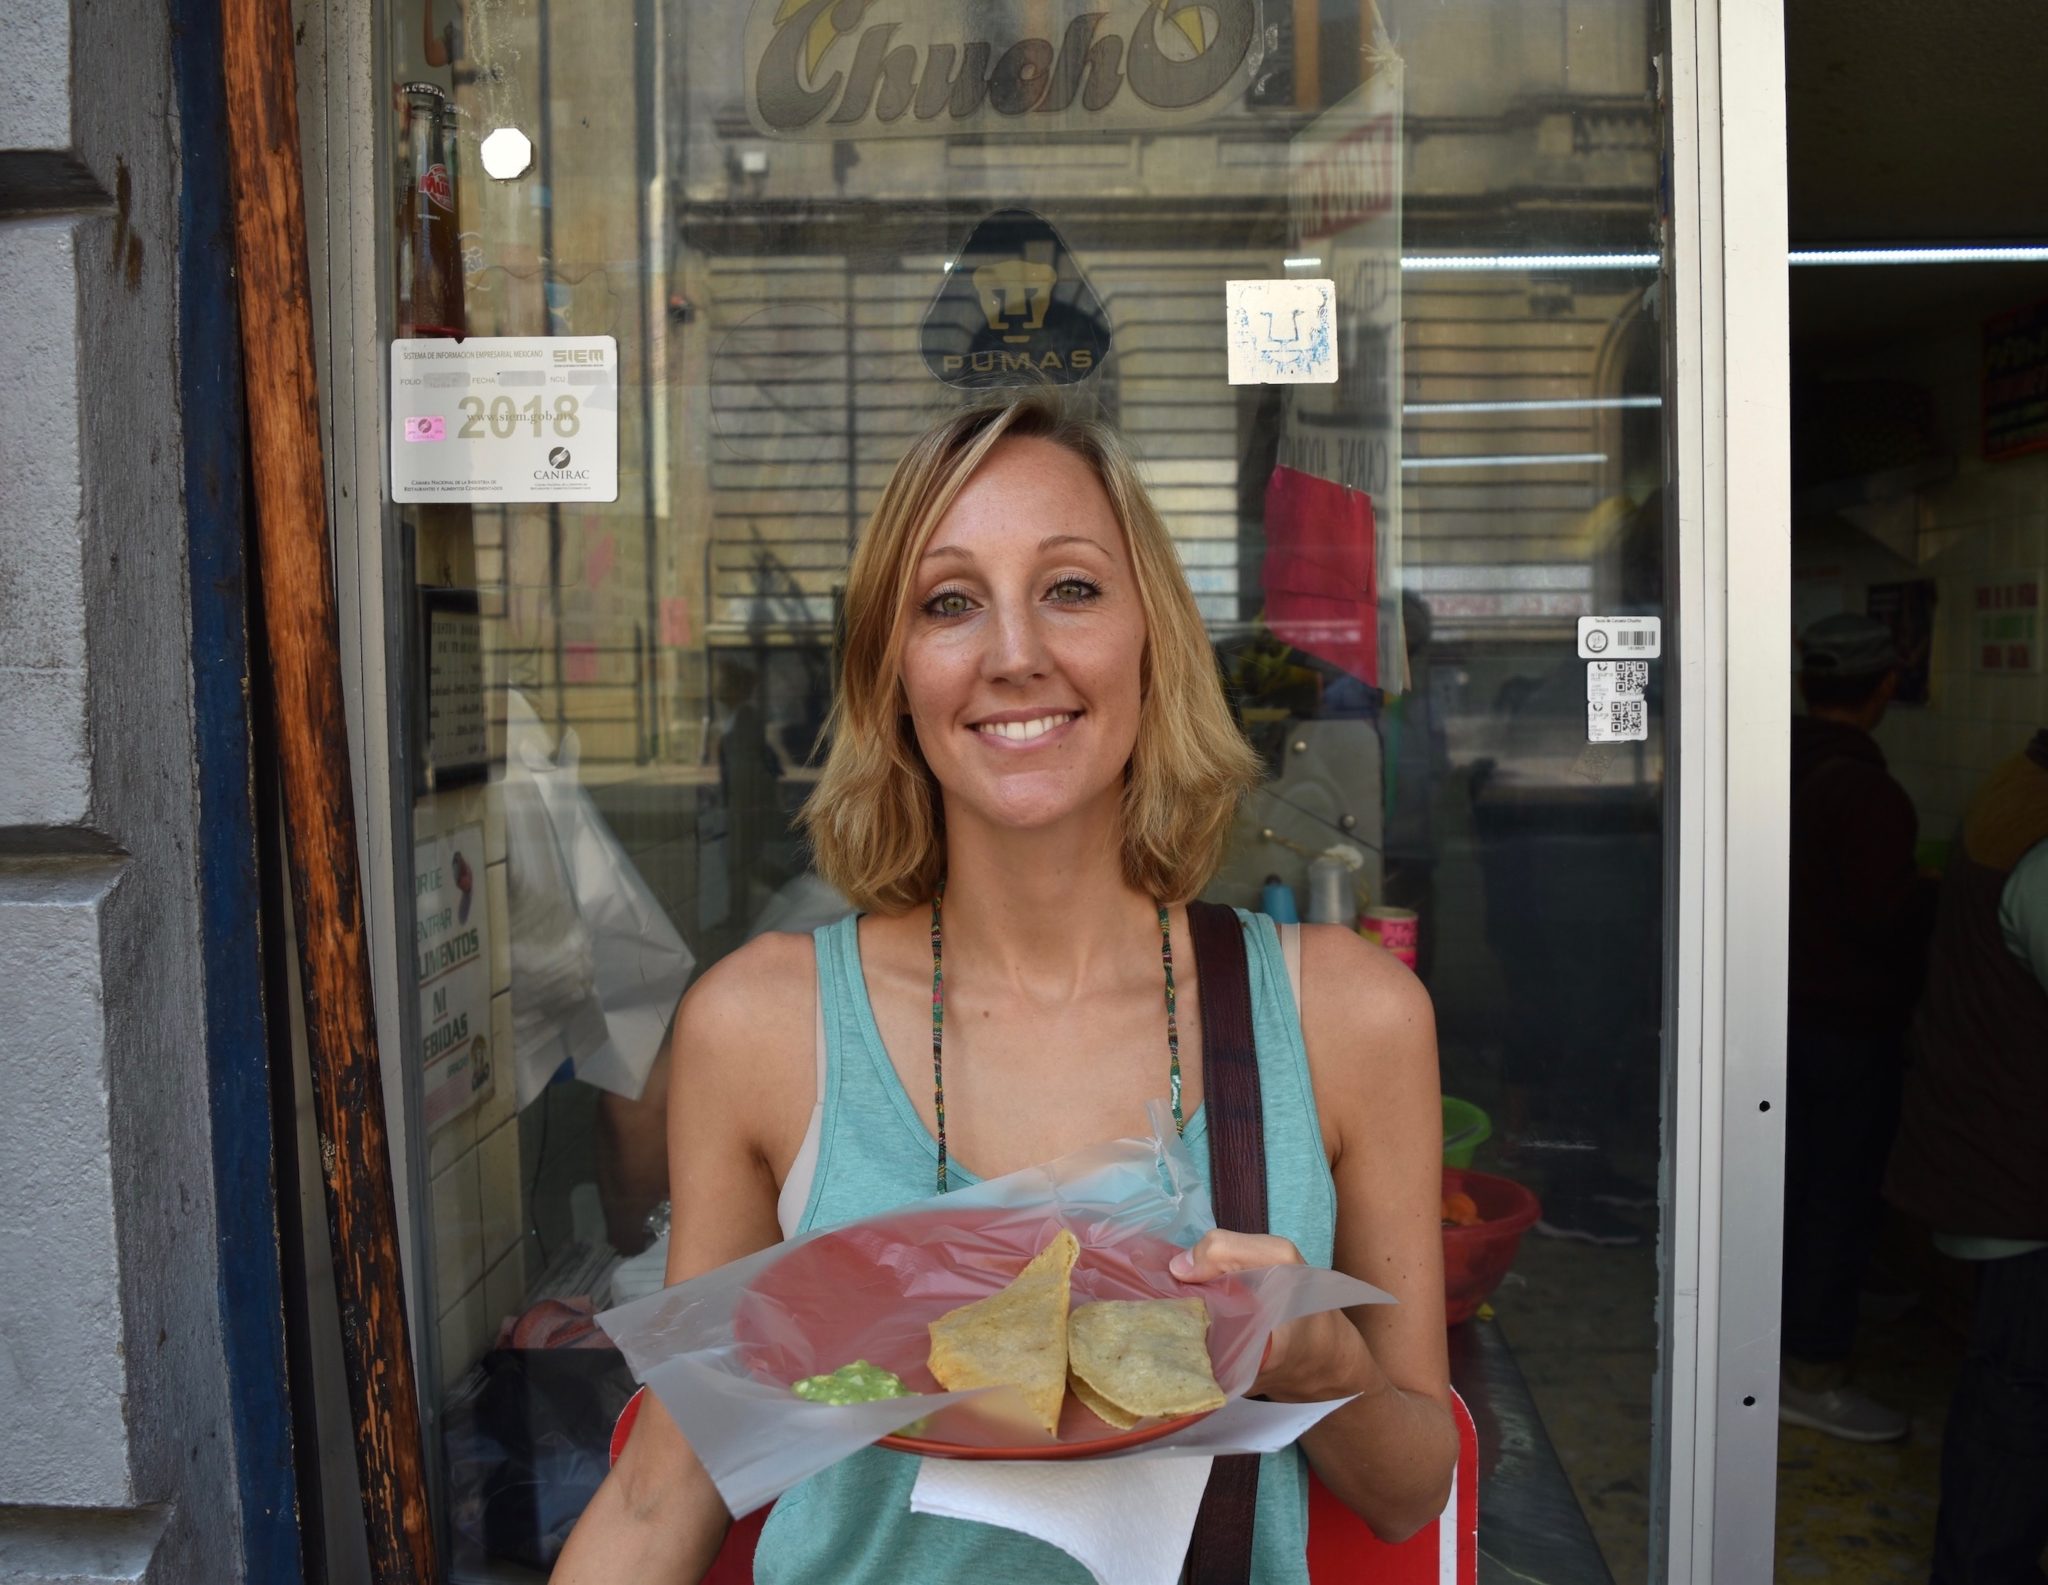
(1378, 294)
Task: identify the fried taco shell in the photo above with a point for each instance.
(1142, 1359)
(1015, 1338)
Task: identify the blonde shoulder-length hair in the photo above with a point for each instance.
(875, 819)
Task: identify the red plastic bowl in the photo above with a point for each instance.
(1476, 1258)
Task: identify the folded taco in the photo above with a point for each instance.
(1015, 1338)
(1141, 1359)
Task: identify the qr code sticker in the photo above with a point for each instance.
(1617, 679)
(1617, 721)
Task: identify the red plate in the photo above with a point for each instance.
(1082, 1435)
(868, 1292)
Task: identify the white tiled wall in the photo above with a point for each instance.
(1987, 518)
(477, 1197)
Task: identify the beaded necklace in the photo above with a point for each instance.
(939, 1026)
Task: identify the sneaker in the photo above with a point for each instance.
(1587, 1222)
(1841, 1412)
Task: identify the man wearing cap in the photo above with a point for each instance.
(1860, 915)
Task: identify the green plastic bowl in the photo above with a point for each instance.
(1466, 1127)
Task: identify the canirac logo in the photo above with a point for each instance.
(559, 472)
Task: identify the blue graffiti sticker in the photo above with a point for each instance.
(1281, 332)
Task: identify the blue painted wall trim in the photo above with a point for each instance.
(238, 1059)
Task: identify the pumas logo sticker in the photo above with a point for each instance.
(1015, 306)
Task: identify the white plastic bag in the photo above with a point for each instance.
(555, 1013)
(721, 1350)
(597, 967)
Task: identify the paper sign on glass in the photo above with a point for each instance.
(505, 418)
(1617, 706)
(1617, 637)
(1281, 332)
(1320, 572)
(1617, 721)
(451, 935)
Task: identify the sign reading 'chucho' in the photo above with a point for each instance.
(876, 68)
(1014, 308)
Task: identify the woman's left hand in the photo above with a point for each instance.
(1316, 1358)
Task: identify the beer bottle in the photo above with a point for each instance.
(456, 308)
(429, 252)
(430, 303)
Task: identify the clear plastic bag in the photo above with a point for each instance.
(597, 967)
(721, 1350)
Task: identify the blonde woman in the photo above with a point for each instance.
(1032, 769)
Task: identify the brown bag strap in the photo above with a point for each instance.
(1220, 1551)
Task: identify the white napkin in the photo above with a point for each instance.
(1127, 1520)
(1126, 1517)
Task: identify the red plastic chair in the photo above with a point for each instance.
(1342, 1550)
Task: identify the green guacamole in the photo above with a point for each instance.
(859, 1382)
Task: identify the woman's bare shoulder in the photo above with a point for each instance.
(1345, 974)
(741, 1093)
(1368, 1024)
(753, 1006)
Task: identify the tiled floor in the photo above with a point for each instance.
(1581, 1323)
(1847, 1513)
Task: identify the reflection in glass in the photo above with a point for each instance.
(1392, 565)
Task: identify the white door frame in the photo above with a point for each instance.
(1730, 723)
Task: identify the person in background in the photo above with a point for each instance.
(1858, 925)
(1971, 1163)
(1417, 762)
(748, 776)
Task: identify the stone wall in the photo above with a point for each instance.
(116, 1448)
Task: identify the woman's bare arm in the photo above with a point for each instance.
(1371, 1036)
(740, 1091)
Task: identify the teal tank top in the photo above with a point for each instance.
(852, 1524)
